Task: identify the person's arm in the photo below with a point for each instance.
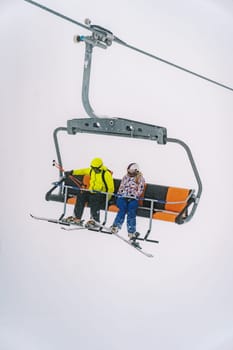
(84, 171)
(121, 188)
(141, 186)
(110, 183)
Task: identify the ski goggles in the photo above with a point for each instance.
(96, 169)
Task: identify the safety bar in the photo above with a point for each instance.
(150, 209)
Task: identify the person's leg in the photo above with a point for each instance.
(96, 202)
(131, 217)
(120, 217)
(82, 198)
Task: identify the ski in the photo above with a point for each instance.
(102, 228)
(92, 227)
(77, 227)
(57, 221)
(54, 221)
(95, 227)
(98, 227)
(131, 243)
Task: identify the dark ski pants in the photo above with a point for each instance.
(126, 206)
(96, 202)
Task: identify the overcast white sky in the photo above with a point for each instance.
(79, 290)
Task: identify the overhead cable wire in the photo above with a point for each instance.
(123, 43)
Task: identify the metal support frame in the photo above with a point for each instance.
(117, 127)
(80, 126)
(196, 174)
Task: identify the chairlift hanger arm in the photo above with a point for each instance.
(195, 171)
(103, 38)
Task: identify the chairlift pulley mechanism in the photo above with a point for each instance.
(100, 37)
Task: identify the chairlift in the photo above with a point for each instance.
(159, 202)
(171, 204)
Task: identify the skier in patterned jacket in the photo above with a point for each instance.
(130, 190)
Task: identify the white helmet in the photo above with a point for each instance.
(133, 169)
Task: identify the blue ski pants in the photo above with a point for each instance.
(126, 206)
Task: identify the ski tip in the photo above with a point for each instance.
(64, 228)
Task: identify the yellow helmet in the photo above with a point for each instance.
(96, 163)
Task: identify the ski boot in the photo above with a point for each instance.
(78, 222)
(69, 219)
(74, 221)
(92, 224)
(132, 238)
(114, 229)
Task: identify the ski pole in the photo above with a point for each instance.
(58, 166)
(72, 178)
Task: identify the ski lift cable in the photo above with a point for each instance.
(177, 66)
(96, 29)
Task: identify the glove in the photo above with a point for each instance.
(68, 173)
